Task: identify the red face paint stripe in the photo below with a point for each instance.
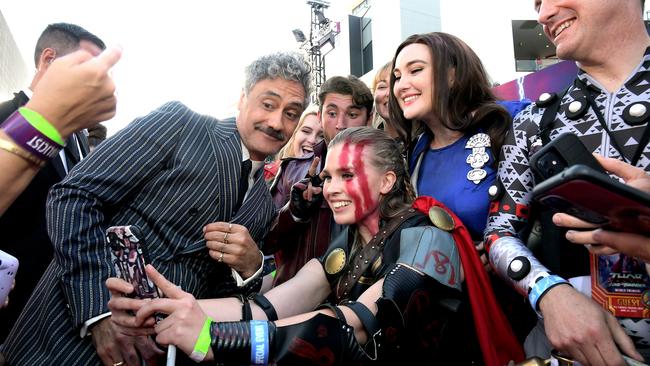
(363, 177)
(344, 160)
(345, 152)
(358, 189)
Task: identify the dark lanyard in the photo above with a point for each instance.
(592, 103)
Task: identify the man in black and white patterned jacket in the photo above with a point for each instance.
(608, 107)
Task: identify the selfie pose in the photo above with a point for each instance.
(405, 289)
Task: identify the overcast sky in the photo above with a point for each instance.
(189, 50)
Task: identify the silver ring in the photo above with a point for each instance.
(225, 238)
(220, 258)
(118, 363)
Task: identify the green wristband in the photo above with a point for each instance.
(202, 344)
(42, 125)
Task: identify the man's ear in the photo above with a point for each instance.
(46, 58)
(387, 182)
(240, 104)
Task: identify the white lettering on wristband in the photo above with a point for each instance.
(259, 342)
(259, 348)
(43, 147)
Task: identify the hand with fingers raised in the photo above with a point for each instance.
(77, 91)
(307, 194)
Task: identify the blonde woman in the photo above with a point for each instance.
(307, 134)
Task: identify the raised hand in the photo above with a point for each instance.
(306, 194)
(233, 245)
(77, 91)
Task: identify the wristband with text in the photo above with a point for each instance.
(259, 342)
(25, 135)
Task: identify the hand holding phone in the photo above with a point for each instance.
(597, 198)
(129, 260)
(8, 268)
(574, 182)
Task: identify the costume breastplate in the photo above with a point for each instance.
(351, 271)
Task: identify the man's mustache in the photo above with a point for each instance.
(271, 132)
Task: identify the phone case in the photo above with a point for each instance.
(597, 198)
(129, 260)
(561, 153)
(8, 268)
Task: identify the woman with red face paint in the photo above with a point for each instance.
(390, 287)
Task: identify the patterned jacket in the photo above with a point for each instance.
(511, 207)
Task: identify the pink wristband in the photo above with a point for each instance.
(29, 138)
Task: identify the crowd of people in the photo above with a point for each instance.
(382, 225)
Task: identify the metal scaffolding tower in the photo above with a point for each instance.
(322, 37)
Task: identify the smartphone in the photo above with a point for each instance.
(129, 259)
(562, 152)
(8, 268)
(595, 197)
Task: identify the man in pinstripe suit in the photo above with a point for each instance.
(176, 175)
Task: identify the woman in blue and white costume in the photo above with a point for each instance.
(441, 94)
(443, 108)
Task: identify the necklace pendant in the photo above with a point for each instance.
(476, 175)
(478, 157)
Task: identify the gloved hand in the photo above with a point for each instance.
(305, 199)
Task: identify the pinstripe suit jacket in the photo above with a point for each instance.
(170, 173)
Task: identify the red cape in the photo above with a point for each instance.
(498, 342)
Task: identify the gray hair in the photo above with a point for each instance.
(286, 65)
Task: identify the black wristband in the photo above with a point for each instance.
(246, 313)
(266, 306)
(231, 343)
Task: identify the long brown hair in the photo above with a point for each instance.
(467, 105)
(386, 156)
